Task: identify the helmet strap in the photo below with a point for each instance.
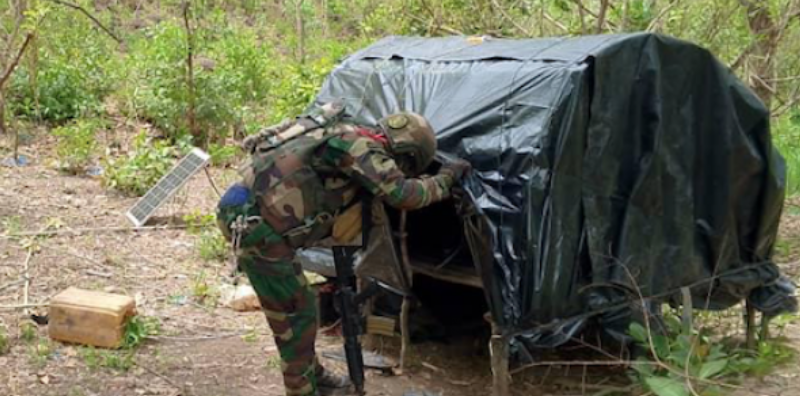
(374, 135)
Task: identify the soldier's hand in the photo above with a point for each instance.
(457, 169)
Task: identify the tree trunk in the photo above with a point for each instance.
(761, 68)
(2, 114)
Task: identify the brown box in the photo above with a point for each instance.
(89, 317)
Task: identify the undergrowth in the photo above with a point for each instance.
(141, 168)
(76, 145)
(692, 362)
(5, 344)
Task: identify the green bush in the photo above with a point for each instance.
(685, 362)
(141, 168)
(222, 155)
(298, 86)
(76, 145)
(231, 77)
(67, 71)
(138, 329)
(212, 245)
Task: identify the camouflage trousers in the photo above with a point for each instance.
(290, 307)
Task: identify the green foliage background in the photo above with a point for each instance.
(257, 62)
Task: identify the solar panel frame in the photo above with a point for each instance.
(167, 186)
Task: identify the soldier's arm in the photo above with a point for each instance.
(366, 162)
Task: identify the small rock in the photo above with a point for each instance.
(241, 298)
(110, 289)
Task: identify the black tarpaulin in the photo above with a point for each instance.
(604, 167)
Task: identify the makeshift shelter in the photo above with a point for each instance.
(605, 167)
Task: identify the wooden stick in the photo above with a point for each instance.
(23, 306)
(190, 75)
(78, 231)
(12, 284)
(159, 375)
(27, 278)
(90, 16)
(15, 62)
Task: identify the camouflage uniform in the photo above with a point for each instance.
(295, 192)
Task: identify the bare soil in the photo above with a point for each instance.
(205, 348)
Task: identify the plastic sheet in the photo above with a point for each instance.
(605, 168)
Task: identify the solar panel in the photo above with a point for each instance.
(167, 186)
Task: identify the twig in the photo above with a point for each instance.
(190, 74)
(198, 338)
(657, 20)
(211, 180)
(15, 62)
(78, 231)
(90, 16)
(23, 306)
(27, 278)
(556, 23)
(98, 273)
(570, 363)
(440, 27)
(69, 253)
(159, 375)
(510, 19)
(12, 284)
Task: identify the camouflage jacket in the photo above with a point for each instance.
(304, 183)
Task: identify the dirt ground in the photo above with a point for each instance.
(206, 349)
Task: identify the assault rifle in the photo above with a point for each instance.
(349, 300)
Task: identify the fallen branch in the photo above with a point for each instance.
(12, 284)
(90, 16)
(159, 375)
(27, 278)
(79, 231)
(621, 363)
(98, 273)
(69, 253)
(23, 306)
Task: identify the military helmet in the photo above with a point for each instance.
(411, 141)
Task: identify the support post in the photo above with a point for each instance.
(405, 336)
(687, 310)
(750, 325)
(498, 347)
(764, 335)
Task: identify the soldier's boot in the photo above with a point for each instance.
(329, 383)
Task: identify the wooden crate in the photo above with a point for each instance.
(90, 317)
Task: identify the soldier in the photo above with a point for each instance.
(300, 176)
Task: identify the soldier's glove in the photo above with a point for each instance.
(250, 143)
(456, 169)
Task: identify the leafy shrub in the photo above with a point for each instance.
(76, 145)
(141, 168)
(115, 360)
(212, 245)
(298, 86)
(231, 74)
(197, 222)
(684, 362)
(67, 71)
(138, 329)
(222, 155)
